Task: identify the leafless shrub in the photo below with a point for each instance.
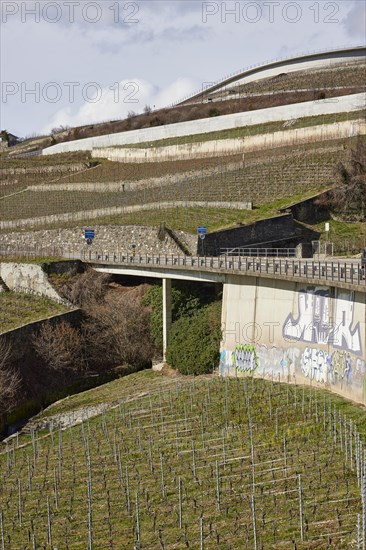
(60, 346)
(9, 379)
(89, 287)
(118, 332)
(349, 199)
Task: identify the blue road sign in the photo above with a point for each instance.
(89, 233)
(202, 230)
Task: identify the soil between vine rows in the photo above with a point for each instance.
(189, 463)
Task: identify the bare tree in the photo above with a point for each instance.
(349, 199)
(9, 378)
(118, 331)
(87, 288)
(60, 346)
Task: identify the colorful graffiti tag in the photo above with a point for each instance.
(317, 324)
(245, 358)
(339, 368)
(315, 364)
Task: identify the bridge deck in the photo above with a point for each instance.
(349, 275)
(343, 274)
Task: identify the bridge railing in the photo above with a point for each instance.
(335, 271)
(350, 272)
(259, 252)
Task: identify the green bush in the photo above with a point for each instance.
(194, 346)
(185, 302)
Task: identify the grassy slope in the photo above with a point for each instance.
(348, 237)
(17, 309)
(165, 430)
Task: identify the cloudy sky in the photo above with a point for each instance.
(73, 62)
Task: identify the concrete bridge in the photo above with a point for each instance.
(291, 319)
(310, 60)
(284, 318)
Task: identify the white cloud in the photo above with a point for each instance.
(355, 21)
(168, 40)
(116, 102)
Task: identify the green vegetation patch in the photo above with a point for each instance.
(187, 300)
(349, 238)
(17, 309)
(194, 342)
(188, 219)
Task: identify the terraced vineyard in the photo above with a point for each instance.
(259, 178)
(120, 172)
(341, 77)
(187, 463)
(18, 174)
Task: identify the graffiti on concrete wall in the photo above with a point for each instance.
(245, 358)
(315, 365)
(226, 368)
(344, 337)
(317, 324)
(278, 360)
(339, 368)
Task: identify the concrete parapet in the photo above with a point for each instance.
(312, 60)
(205, 149)
(342, 104)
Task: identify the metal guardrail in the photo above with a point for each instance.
(326, 272)
(338, 272)
(259, 252)
(262, 65)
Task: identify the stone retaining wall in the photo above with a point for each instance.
(55, 168)
(145, 239)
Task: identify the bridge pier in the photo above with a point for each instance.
(295, 331)
(167, 313)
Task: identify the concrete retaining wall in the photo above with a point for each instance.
(281, 231)
(295, 332)
(28, 278)
(284, 112)
(283, 138)
(24, 332)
